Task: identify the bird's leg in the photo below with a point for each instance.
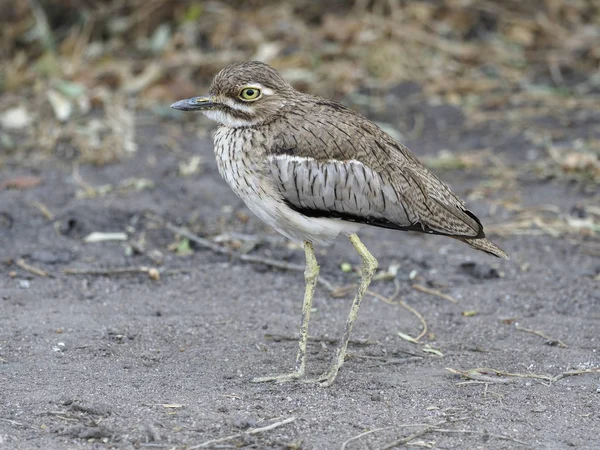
(311, 274)
(369, 266)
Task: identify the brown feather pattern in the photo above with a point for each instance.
(320, 159)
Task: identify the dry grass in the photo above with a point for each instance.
(75, 73)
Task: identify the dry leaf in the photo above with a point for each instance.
(21, 182)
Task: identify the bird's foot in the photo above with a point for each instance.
(282, 378)
(327, 378)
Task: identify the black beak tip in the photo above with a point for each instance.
(182, 105)
(193, 104)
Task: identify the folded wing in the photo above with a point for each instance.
(350, 190)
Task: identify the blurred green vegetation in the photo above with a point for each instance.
(76, 73)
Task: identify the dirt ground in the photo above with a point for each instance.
(119, 360)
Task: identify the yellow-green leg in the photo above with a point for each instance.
(311, 274)
(369, 266)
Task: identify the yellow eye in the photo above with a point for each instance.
(250, 93)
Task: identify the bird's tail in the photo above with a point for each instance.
(485, 245)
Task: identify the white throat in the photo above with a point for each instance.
(228, 120)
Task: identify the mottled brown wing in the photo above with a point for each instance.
(337, 164)
(351, 191)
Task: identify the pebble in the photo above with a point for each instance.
(376, 398)
(60, 347)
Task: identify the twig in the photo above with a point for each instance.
(572, 373)
(418, 315)
(484, 433)
(12, 422)
(245, 433)
(358, 436)
(409, 438)
(242, 257)
(152, 272)
(434, 429)
(435, 292)
(43, 209)
(386, 361)
(29, 268)
(466, 383)
(391, 301)
(543, 335)
(477, 374)
(282, 337)
(409, 425)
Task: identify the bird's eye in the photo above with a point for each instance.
(249, 94)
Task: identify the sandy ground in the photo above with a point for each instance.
(122, 361)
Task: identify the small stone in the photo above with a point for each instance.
(154, 274)
(60, 347)
(376, 398)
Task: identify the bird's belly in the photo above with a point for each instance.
(247, 181)
(293, 225)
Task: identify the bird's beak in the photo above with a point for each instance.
(194, 104)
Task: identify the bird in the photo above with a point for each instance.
(313, 169)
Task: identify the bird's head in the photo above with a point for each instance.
(242, 95)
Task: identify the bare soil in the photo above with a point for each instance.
(124, 361)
